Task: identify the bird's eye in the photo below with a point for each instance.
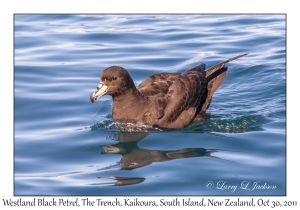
(114, 78)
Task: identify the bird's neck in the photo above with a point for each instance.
(129, 104)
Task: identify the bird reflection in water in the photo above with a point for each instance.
(134, 157)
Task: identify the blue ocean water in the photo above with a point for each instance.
(65, 145)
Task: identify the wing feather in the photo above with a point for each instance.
(182, 98)
(157, 83)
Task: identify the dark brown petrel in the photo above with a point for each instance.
(168, 100)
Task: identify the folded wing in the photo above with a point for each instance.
(177, 105)
(180, 98)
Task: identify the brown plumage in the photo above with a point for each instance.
(170, 100)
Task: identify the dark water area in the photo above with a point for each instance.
(66, 145)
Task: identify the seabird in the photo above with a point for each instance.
(167, 100)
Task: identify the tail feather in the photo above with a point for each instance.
(215, 68)
(214, 77)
